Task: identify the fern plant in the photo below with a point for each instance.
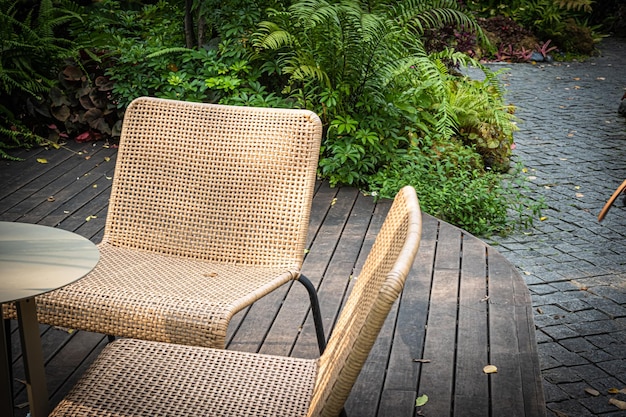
(352, 58)
(28, 46)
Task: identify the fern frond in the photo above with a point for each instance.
(167, 51)
(584, 5)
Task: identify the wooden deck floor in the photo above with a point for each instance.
(464, 306)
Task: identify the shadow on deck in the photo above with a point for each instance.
(463, 307)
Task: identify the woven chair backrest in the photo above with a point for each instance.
(227, 184)
(377, 287)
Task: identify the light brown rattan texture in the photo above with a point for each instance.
(142, 378)
(209, 211)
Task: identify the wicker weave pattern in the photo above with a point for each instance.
(209, 211)
(176, 380)
(220, 183)
(187, 301)
(142, 378)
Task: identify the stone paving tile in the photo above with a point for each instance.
(572, 141)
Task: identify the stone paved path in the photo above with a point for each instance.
(573, 143)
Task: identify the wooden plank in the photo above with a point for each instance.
(34, 176)
(408, 344)
(56, 201)
(9, 169)
(400, 403)
(506, 385)
(70, 187)
(23, 172)
(471, 391)
(532, 383)
(437, 376)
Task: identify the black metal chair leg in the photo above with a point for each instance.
(317, 312)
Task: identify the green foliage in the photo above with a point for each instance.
(453, 186)
(565, 22)
(395, 112)
(337, 55)
(30, 46)
(352, 63)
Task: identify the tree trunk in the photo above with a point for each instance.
(201, 31)
(189, 35)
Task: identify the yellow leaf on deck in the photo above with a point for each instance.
(89, 218)
(106, 158)
(490, 369)
(543, 218)
(42, 160)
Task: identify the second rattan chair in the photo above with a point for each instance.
(209, 211)
(141, 378)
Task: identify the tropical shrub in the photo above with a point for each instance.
(351, 62)
(453, 186)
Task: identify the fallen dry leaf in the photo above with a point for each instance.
(50, 199)
(619, 404)
(592, 391)
(42, 160)
(490, 369)
(617, 391)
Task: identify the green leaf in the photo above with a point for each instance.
(421, 400)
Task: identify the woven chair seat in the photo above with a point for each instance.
(144, 378)
(188, 302)
(174, 380)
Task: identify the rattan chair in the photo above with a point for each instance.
(142, 378)
(209, 211)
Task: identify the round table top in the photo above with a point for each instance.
(36, 259)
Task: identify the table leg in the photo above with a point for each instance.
(6, 390)
(33, 357)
